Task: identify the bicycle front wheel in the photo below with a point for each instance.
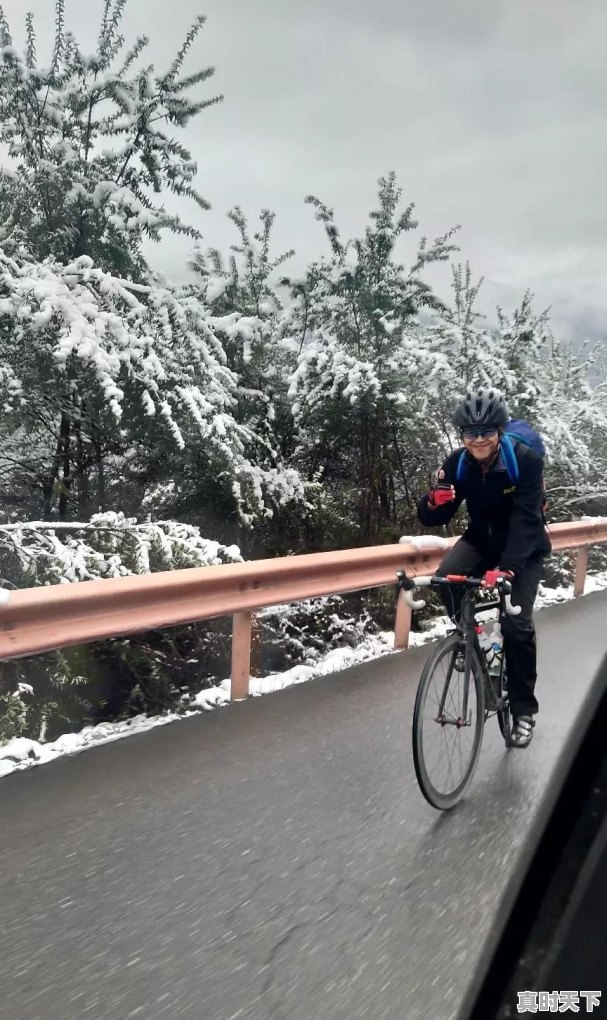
(446, 745)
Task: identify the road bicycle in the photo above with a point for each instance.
(457, 693)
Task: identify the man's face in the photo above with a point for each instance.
(481, 441)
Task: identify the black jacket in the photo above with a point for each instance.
(506, 520)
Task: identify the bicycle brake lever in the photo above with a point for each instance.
(413, 603)
(510, 609)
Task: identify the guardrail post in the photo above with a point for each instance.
(256, 647)
(241, 654)
(581, 567)
(402, 624)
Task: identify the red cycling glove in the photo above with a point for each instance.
(441, 495)
(491, 577)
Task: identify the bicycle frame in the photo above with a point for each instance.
(467, 627)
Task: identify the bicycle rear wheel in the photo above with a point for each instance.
(445, 745)
(496, 703)
(504, 717)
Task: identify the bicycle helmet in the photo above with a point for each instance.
(481, 407)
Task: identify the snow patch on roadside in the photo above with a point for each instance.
(373, 647)
(22, 753)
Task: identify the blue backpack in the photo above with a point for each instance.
(515, 429)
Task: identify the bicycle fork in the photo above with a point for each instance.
(466, 718)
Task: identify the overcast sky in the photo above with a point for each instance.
(491, 112)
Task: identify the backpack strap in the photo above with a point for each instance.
(509, 457)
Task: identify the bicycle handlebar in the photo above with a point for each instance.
(408, 584)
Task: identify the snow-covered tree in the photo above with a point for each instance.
(109, 545)
(248, 315)
(570, 410)
(77, 340)
(521, 341)
(90, 137)
(448, 352)
(356, 389)
(562, 392)
(257, 326)
(103, 366)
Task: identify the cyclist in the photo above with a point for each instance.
(506, 536)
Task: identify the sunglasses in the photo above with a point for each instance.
(482, 432)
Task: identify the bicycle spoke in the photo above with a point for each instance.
(447, 744)
(450, 706)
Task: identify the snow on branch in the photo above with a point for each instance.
(100, 334)
(109, 545)
(88, 137)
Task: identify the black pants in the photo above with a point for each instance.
(518, 631)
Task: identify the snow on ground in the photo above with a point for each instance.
(22, 753)
(372, 647)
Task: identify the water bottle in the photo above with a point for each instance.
(496, 650)
(484, 638)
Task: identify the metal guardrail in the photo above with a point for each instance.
(35, 620)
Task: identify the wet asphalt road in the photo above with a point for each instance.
(273, 859)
